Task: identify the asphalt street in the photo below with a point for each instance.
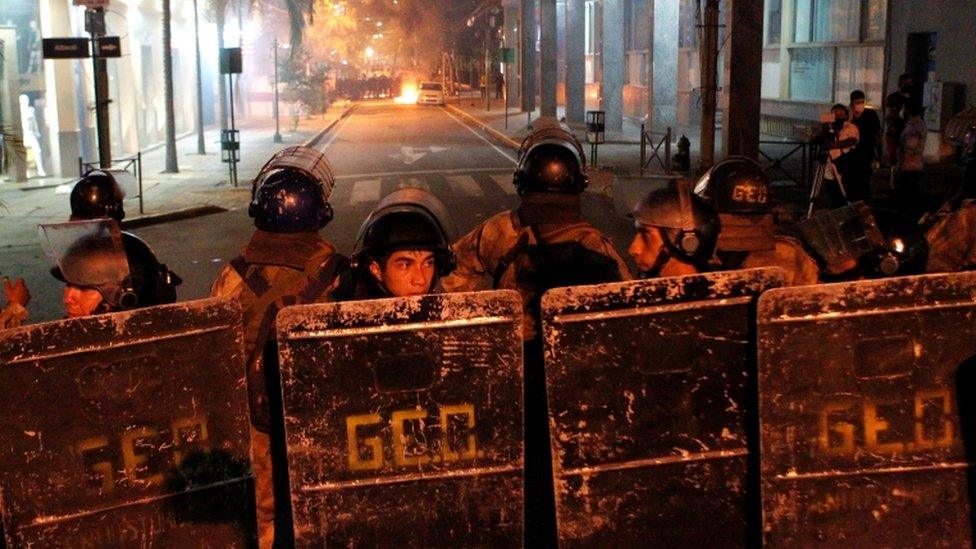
(377, 149)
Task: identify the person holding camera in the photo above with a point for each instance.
(839, 138)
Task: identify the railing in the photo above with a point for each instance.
(132, 164)
(778, 161)
(659, 146)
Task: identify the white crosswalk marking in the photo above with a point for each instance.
(366, 190)
(505, 182)
(464, 185)
(414, 183)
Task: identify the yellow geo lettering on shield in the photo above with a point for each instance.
(847, 426)
(407, 450)
(356, 461)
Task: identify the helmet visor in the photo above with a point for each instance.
(88, 254)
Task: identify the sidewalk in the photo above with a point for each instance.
(201, 186)
(618, 174)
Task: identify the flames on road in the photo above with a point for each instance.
(408, 94)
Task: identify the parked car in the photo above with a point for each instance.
(431, 93)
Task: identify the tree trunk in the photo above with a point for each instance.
(171, 164)
(201, 146)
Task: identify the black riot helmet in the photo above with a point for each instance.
(736, 185)
(95, 195)
(739, 191)
(407, 219)
(551, 160)
(865, 241)
(291, 192)
(688, 225)
(121, 266)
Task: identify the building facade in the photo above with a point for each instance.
(48, 104)
(640, 59)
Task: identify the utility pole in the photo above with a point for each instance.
(488, 66)
(277, 135)
(201, 146)
(95, 23)
(171, 163)
(709, 71)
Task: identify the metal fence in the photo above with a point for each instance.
(655, 146)
(793, 159)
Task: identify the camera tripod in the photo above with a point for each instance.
(825, 166)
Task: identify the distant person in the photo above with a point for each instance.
(866, 150)
(895, 116)
(843, 137)
(907, 192)
(499, 86)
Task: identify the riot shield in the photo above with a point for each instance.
(867, 408)
(127, 430)
(403, 420)
(650, 400)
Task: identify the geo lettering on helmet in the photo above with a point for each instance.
(750, 194)
(418, 437)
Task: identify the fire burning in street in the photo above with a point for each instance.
(408, 94)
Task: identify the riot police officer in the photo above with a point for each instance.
(97, 194)
(739, 191)
(403, 248)
(104, 270)
(857, 241)
(286, 262)
(510, 246)
(675, 233)
(542, 244)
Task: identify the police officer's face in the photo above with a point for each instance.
(80, 301)
(646, 247)
(406, 273)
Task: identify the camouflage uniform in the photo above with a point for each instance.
(294, 266)
(481, 252)
(952, 241)
(789, 255)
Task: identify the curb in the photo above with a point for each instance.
(486, 127)
(166, 217)
(318, 137)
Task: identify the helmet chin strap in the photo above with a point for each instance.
(660, 261)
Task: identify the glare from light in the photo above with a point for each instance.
(408, 94)
(370, 52)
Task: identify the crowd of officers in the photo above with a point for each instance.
(406, 247)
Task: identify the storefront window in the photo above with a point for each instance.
(22, 97)
(827, 20)
(810, 74)
(770, 74)
(774, 21)
(859, 68)
(874, 19)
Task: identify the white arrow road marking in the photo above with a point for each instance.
(409, 155)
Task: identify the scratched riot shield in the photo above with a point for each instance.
(867, 403)
(403, 420)
(650, 398)
(127, 430)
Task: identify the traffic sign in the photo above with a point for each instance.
(108, 46)
(66, 48)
